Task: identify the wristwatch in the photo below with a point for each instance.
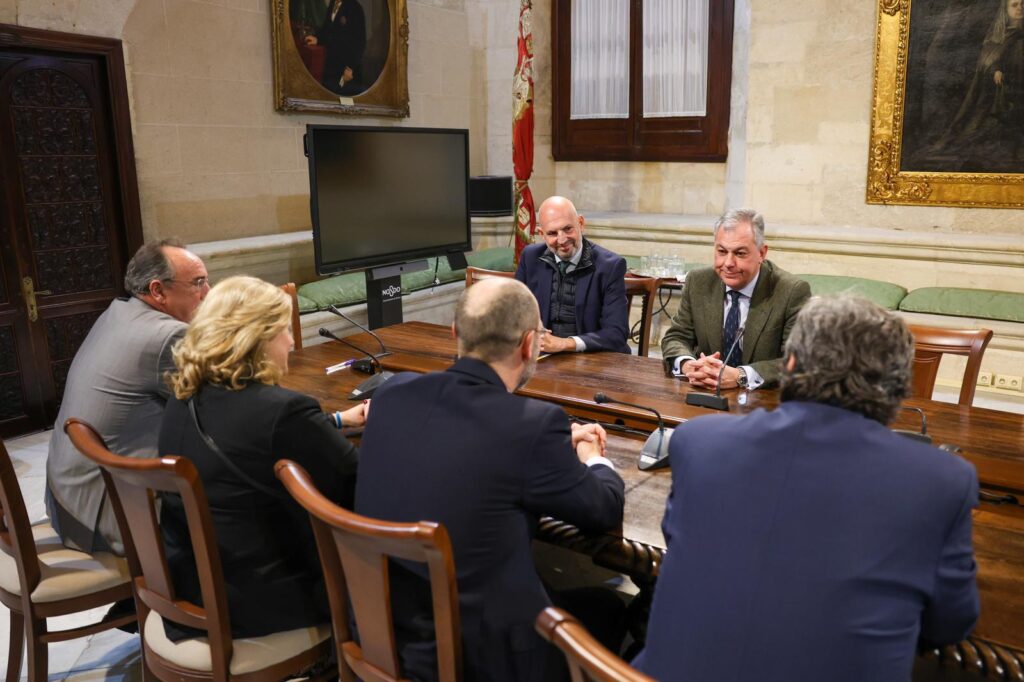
(741, 380)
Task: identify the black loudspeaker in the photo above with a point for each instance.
(490, 195)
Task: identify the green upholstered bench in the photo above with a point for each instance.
(885, 294)
(350, 288)
(975, 303)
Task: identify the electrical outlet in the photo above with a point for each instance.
(1009, 382)
(984, 378)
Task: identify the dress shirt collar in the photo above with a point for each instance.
(748, 290)
(575, 260)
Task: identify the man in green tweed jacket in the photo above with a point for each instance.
(743, 299)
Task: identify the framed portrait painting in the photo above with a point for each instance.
(947, 122)
(343, 56)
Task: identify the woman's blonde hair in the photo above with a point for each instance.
(227, 339)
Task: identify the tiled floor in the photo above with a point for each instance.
(112, 655)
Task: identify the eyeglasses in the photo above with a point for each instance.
(197, 283)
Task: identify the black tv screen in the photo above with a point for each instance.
(381, 196)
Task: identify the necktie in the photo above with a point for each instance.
(563, 266)
(732, 325)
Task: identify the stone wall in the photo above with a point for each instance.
(215, 160)
(798, 142)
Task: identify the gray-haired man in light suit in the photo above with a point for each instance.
(116, 383)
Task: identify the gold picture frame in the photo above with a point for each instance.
(313, 42)
(943, 130)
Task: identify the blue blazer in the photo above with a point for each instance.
(602, 311)
(809, 543)
(456, 447)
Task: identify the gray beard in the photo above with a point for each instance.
(527, 374)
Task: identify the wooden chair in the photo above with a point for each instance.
(133, 486)
(930, 343)
(40, 579)
(647, 288)
(353, 551)
(293, 292)
(588, 659)
(474, 275)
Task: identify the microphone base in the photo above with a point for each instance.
(654, 453)
(915, 435)
(709, 400)
(368, 366)
(365, 390)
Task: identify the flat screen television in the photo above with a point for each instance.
(381, 195)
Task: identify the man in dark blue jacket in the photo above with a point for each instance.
(579, 285)
(458, 447)
(811, 542)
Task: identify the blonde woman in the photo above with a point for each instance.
(229, 416)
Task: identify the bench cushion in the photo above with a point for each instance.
(350, 288)
(885, 294)
(976, 303)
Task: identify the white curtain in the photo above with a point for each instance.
(600, 59)
(675, 57)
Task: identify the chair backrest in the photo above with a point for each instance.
(474, 275)
(15, 530)
(647, 288)
(354, 551)
(930, 343)
(588, 659)
(133, 486)
(290, 289)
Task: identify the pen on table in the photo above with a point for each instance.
(340, 366)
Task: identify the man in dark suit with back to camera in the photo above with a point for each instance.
(116, 383)
(742, 291)
(579, 285)
(811, 542)
(459, 448)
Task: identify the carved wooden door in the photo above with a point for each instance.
(64, 225)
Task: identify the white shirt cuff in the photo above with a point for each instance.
(754, 380)
(600, 461)
(580, 346)
(677, 368)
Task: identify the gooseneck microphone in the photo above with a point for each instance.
(921, 435)
(716, 401)
(383, 349)
(366, 389)
(654, 453)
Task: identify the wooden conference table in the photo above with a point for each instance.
(991, 440)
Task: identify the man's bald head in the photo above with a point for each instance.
(557, 204)
(561, 226)
(492, 316)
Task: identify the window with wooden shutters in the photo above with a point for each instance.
(641, 80)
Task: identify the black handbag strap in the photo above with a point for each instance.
(226, 461)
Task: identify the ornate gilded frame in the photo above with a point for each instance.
(295, 89)
(887, 183)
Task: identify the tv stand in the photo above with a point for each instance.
(384, 292)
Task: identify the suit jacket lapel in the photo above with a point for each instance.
(714, 317)
(759, 311)
(542, 274)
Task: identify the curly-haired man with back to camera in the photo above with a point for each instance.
(812, 542)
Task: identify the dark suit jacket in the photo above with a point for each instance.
(456, 447)
(809, 543)
(267, 550)
(697, 325)
(344, 42)
(602, 311)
